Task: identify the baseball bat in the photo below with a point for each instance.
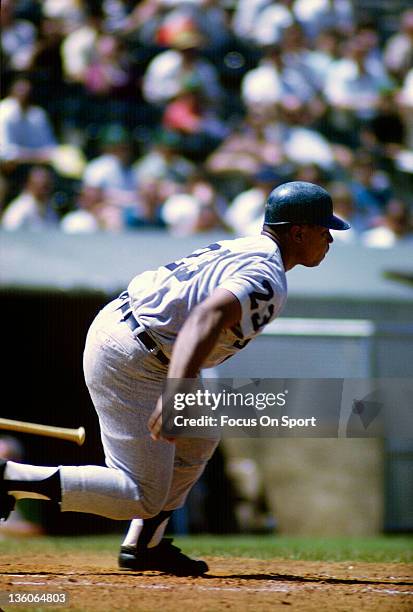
(63, 433)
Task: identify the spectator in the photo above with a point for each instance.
(303, 143)
(26, 134)
(87, 218)
(255, 141)
(171, 69)
(405, 100)
(263, 85)
(33, 208)
(140, 24)
(367, 36)
(271, 22)
(18, 39)
(344, 206)
(320, 58)
(370, 187)
(109, 72)
(294, 43)
(164, 163)
(385, 134)
(353, 85)
(71, 13)
(110, 87)
(246, 212)
(118, 14)
(261, 21)
(211, 19)
(199, 127)
(195, 210)
(406, 92)
(208, 17)
(396, 228)
(113, 171)
(309, 173)
(77, 48)
(317, 16)
(299, 86)
(398, 52)
(46, 66)
(274, 80)
(146, 211)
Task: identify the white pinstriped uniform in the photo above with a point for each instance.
(144, 477)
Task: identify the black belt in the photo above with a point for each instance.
(143, 335)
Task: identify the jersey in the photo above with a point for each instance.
(250, 268)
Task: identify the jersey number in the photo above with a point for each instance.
(255, 297)
(181, 269)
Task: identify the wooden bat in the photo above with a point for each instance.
(63, 433)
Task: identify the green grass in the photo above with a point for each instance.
(384, 549)
(379, 549)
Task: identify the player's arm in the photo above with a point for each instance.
(200, 332)
(196, 340)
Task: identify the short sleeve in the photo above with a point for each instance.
(261, 298)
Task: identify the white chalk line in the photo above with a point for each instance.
(269, 588)
(389, 591)
(174, 587)
(23, 582)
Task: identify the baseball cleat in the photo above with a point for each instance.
(7, 501)
(163, 558)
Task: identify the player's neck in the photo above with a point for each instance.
(287, 261)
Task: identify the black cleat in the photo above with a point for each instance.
(163, 558)
(7, 501)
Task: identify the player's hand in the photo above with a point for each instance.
(155, 423)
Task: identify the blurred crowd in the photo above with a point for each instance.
(183, 115)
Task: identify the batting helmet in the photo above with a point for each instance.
(300, 202)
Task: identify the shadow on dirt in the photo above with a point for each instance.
(292, 578)
(266, 577)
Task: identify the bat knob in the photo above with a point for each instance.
(81, 434)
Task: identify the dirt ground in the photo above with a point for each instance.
(93, 582)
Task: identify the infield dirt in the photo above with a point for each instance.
(93, 582)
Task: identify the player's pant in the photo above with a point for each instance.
(143, 476)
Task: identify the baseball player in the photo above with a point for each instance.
(171, 322)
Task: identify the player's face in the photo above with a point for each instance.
(315, 245)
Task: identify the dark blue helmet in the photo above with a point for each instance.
(299, 202)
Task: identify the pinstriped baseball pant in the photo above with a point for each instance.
(142, 476)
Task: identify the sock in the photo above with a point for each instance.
(147, 533)
(32, 481)
(134, 531)
(159, 532)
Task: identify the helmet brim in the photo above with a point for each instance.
(337, 224)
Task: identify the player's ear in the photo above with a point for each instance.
(297, 233)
